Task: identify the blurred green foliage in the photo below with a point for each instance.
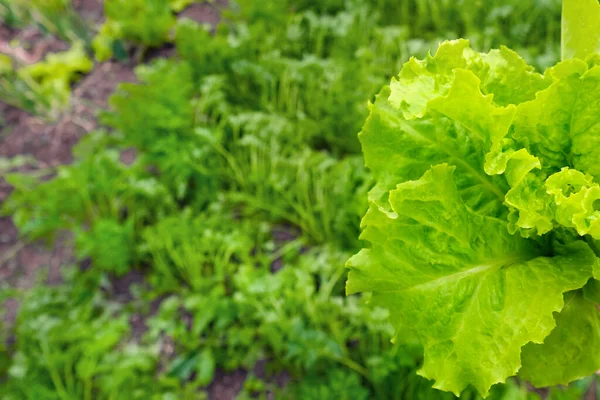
(144, 21)
(56, 17)
(43, 88)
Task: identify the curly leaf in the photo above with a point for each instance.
(423, 80)
(451, 107)
(576, 197)
(471, 292)
(572, 351)
(560, 128)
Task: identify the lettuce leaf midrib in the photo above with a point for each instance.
(467, 272)
(480, 175)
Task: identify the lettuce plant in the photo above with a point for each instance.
(43, 88)
(483, 226)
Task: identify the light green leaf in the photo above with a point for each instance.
(508, 77)
(423, 80)
(580, 29)
(572, 351)
(397, 150)
(531, 207)
(466, 104)
(205, 367)
(6, 64)
(576, 198)
(560, 128)
(471, 292)
(51, 78)
(443, 109)
(444, 255)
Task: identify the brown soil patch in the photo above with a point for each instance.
(96, 87)
(282, 235)
(202, 13)
(92, 11)
(29, 45)
(226, 386)
(50, 143)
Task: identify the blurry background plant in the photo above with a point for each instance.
(57, 17)
(146, 22)
(43, 88)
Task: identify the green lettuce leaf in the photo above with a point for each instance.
(443, 109)
(561, 124)
(471, 292)
(572, 351)
(485, 207)
(560, 128)
(576, 197)
(421, 81)
(591, 291)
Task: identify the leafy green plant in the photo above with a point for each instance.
(95, 188)
(482, 224)
(44, 88)
(145, 22)
(200, 251)
(109, 243)
(532, 30)
(17, 91)
(57, 17)
(98, 198)
(158, 117)
(74, 343)
(159, 106)
(305, 188)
